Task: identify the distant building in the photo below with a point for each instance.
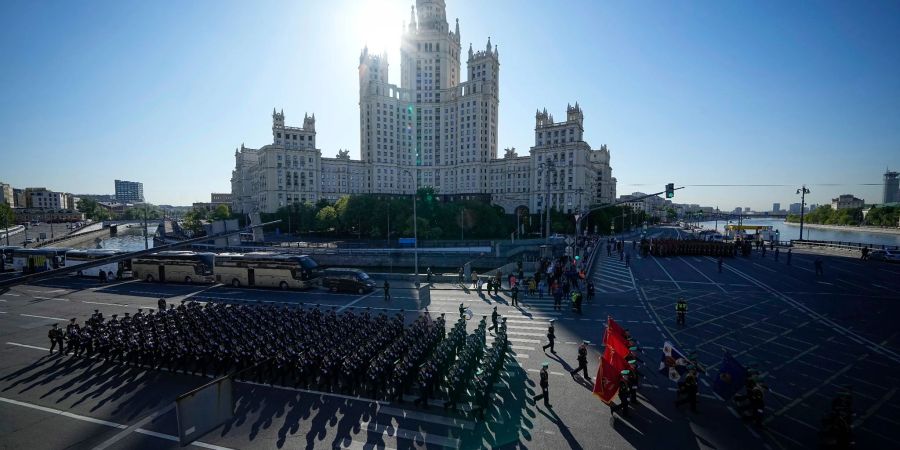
(20, 198)
(891, 191)
(25, 215)
(129, 191)
(41, 198)
(847, 201)
(215, 201)
(776, 207)
(794, 208)
(6, 195)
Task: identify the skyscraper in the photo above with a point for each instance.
(891, 191)
(129, 191)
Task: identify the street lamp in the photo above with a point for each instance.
(802, 191)
(415, 226)
(550, 167)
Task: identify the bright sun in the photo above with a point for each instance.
(377, 23)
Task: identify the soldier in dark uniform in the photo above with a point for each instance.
(56, 337)
(590, 291)
(582, 361)
(688, 389)
(545, 386)
(514, 295)
(387, 290)
(624, 395)
(494, 316)
(72, 331)
(551, 337)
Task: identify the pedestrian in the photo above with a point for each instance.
(680, 311)
(551, 338)
(56, 337)
(763, 251)
(461, 277)
(582, 361)
(628, 260)
(545, 385)
(789, 257)
(818, 264)
(387, 290)
(864, 253)
(776, 253)
(590, 291)
(494, 316)
(428, 275)
(161, 303)
(514, 295)
(576, 301)
(475, 281)
(719, 262)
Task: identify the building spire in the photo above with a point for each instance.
(412, 16)
(489, 44)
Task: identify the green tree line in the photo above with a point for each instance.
(879, 216)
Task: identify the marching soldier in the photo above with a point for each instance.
(624, 395)
(688, 389)
(582, 361)
(545, 386)
(551, 337)
(56, 337)
(494, 316)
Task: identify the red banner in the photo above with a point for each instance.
(606, 385)
(615, 328)
(615, 338)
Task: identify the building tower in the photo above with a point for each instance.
(891, 191)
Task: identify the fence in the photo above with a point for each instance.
(843, 245)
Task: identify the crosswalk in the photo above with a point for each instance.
(611, 276)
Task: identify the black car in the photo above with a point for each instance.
(348, 280)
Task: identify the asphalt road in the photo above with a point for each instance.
(809, 335)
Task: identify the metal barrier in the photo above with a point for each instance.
(843, 245)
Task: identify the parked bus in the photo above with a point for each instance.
(32, 260)
(267, 269)
(186, 266)
(119, 269)
(6, 257)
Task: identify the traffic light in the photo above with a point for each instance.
(670, 190)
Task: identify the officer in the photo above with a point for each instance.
(551, 337)
(590, 291)
(460, 278)
(56, 337)
(576, 300)
(161, 304)
(514, 295)
(494, 316)
(625, 394)
(545, 385)
(387, 290)
(688, 388)
(634, 380)
(582, 361)
(680, 310)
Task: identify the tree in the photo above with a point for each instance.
(222, 212)
(326, 218)
(7, 217)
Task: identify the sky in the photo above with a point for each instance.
(690, 92)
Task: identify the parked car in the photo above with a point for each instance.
(885, 255)
(348, 280)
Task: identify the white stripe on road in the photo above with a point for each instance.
(10, 294)
(108, 304)
(62, 413)
(667, 274)
(30, 346)
(703, 274)
(44, 317)
(355, 301)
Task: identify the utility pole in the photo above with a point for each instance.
(548, 167)
(802, 191)
(146, 242)
(415, 226)
(462, 224)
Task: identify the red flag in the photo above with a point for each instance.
(615, 328)
(606, 385)
(616, 339)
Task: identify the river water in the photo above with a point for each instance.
(130, 239)
(788, 231)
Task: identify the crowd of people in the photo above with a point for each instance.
(361, 353)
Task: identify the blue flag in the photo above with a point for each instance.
(731, 377)
(673, 364)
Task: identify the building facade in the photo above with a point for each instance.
(129, 191)
(847, 201)
(776, 207)
(891, 192)
(433, 130)
(41, 198)
(7, 195)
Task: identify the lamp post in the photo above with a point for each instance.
(415, 227)
(547, 167)
(802, 191)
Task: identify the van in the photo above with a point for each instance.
(347, 280)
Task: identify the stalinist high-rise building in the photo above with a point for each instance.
(434, 130)
(433, 125)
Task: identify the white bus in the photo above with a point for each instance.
(31, 260)
(267, 269)
(186, 266)
(119, 269)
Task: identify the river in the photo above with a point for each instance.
(788, 231)
(131, 239)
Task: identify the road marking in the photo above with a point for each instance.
(764, 267)
(127, 431)
(108, 304)
(858, 422)
(355, 301)
(44, 317)
(812, 391)
(29, 346)
(62, 413)
(703, 274)
(11, 294)
(667, 274)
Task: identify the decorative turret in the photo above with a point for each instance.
(309, 122)
(412, 18)
(574, 114)
(277, 119)
(471, 53)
